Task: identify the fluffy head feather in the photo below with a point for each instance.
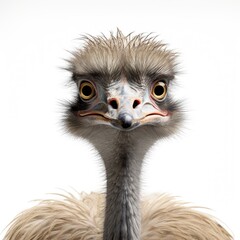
(123, 54)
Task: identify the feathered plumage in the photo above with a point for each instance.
(118, 53)
(81, 218)
(123, 107)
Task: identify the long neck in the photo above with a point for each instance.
(123, 155)
(122, 216)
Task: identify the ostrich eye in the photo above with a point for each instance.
(159, 90)
(87, 90)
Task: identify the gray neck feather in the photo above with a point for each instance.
(122, 218)
(123, 155)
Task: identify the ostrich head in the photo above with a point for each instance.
(122, 107)
(124, 85)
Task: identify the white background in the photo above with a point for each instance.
(201, 164)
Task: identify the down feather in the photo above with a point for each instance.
(81, 218)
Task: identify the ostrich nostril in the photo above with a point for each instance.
(136, 103)
(113, 103)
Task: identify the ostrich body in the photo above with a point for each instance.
(123, 107)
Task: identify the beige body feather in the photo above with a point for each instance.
(72, 218)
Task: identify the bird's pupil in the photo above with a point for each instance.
(87, 90)
(158, 90)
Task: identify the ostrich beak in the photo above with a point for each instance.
(134, 112)
(129, 108)
(122, 109)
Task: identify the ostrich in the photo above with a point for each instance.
(122, 108)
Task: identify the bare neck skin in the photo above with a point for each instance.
(123, 159)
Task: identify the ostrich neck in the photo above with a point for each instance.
(122, 217)
(122, 158)
(122, 153)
